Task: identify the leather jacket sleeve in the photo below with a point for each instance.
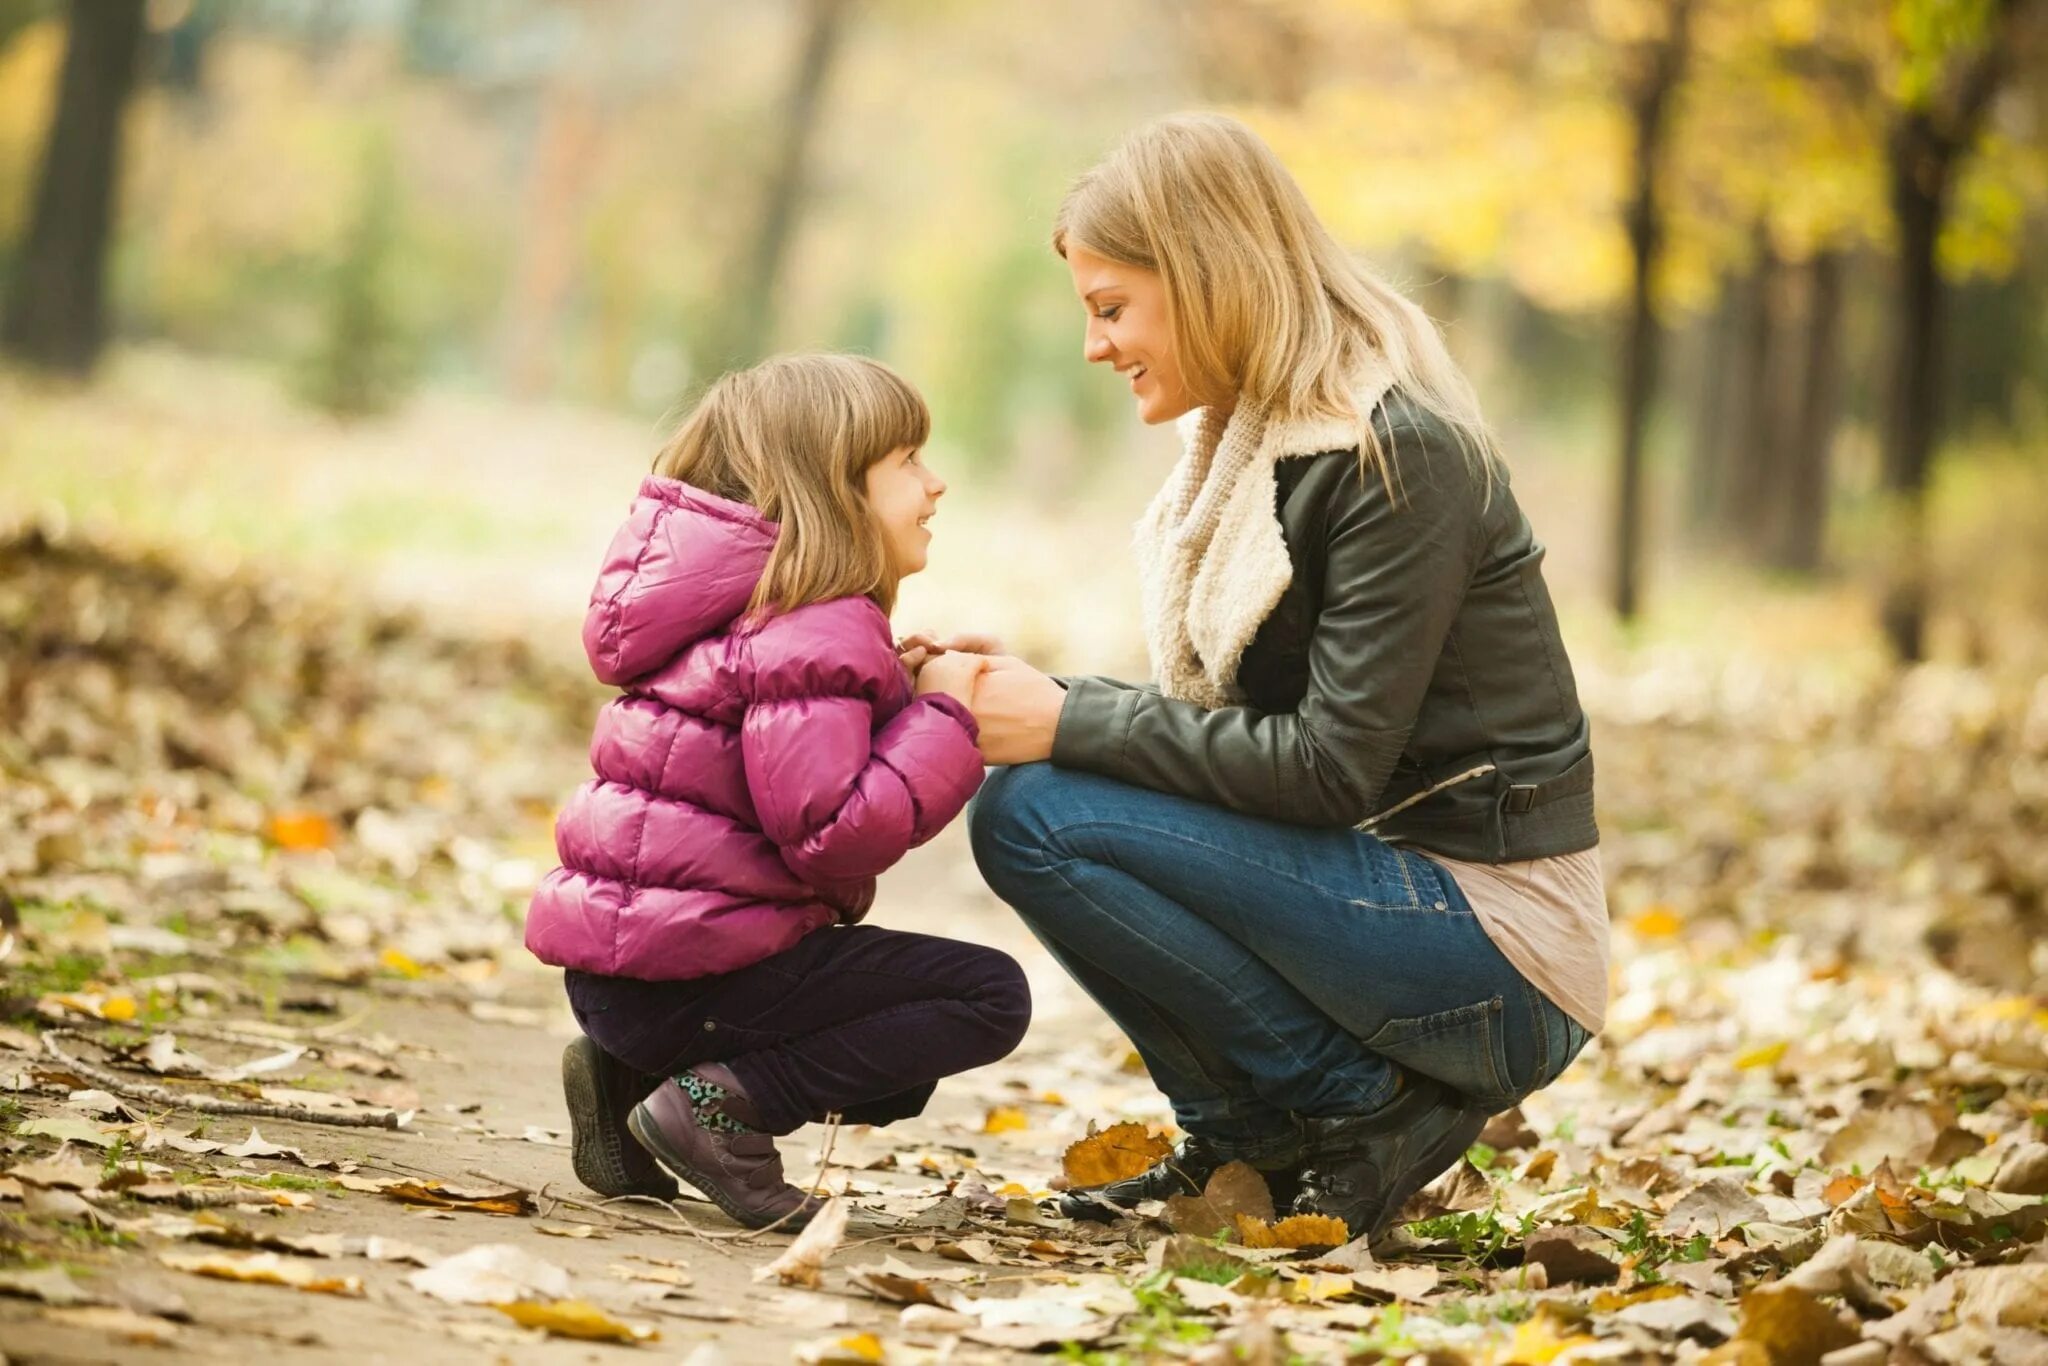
(1396, 569)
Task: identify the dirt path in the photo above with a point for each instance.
(484, 1084)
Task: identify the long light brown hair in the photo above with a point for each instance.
(1265, 305)
(794, 436)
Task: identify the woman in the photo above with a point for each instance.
(1335, 872)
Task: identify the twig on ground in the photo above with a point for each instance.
(210, 1105)
(641, 1220)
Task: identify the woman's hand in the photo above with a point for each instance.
(1018, 709)
(952, 674)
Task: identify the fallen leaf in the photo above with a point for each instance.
(895, 1289)
(576, 1319)
(1297, 1230)
(116, 1324)
(1120, 1151)
(439, 1195)
(261, 1268)
(1005, 1119)
(60, 1171)
(50, 1284)
(68, 1128)
(1538, 1342)
(1234, 1188)
(491, 1273)
(1792, 1326)
(1714, 1207)
(300, 831)
(1571, 1256)
(803, 1261)
(842, 1351)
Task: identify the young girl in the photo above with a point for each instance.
(770, 756)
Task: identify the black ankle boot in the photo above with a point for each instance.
(601, 1091)
(1363, 1168)
(1185, 1171)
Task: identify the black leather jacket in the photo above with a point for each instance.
(1411, 680)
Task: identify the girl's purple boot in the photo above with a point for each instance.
(741, 1172)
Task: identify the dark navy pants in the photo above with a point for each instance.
(857, 1019)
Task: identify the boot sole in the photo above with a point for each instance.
(594, 1149)
(1438, 1160)
(648, 1134)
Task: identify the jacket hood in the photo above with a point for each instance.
(683, 566)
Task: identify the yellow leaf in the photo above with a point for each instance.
(401, 964)
(1004, 1119)
(261, 1268)
(1538, 1342)
(1011, 1190)
(301, 831)
(1297, 1230)
(1117, 1152)
(1608, 1301)
(1316, 1289)
(1657, 922)
(1765, 1055)
(1051, 1098)
(866, 1346)
(575, 1319)
(118, 1008)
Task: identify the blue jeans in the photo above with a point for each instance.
(1263, 971)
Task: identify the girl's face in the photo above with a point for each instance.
(903, 494)
(1129, 329)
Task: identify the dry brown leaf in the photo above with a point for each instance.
(803, 1261)
(1120, 1151)
(1794, 1327)
(439, 1195)
(1234, 1188)
(576, 1319)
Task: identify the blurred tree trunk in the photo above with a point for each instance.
(749, 321)
(1800, 540)
(1926, 147)
(55, 311)
(1659, 67)
(564, 160)
(1716, 414)
(1759, 415)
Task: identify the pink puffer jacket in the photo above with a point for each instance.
(754, 778)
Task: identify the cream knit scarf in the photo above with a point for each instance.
(1212, 560)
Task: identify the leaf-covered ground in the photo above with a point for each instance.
(276, 1078)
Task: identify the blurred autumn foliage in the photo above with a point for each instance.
(1749, 269)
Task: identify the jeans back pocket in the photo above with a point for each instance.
(1464, 1048)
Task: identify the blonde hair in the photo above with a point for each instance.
(794, 436)
(1265, 305)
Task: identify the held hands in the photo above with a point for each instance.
(1016, 706)
(920, 646)
(953, 673)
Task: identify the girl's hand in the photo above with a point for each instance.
(967, 642)
(952, 674)
(1018, 709)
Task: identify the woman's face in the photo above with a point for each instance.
(1128, 329)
